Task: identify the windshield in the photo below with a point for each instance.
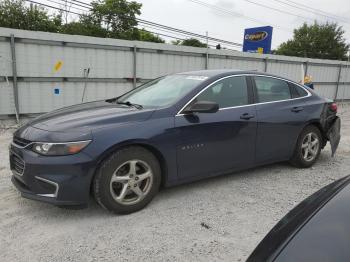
(162, 91)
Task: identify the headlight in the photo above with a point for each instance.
(59, 149)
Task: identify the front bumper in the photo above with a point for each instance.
(59, 180)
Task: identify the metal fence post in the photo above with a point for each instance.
(134, 67)
(306, 68)
(338, 81)
(206, 60)
(14, 75)
(207, 54)
(265, 64)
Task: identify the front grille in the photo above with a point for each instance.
(20, 141)
(17, 164)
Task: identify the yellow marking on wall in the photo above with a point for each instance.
(58, 66)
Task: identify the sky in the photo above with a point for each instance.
(241, 14)
(227, 19)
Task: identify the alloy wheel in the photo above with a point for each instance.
(131, 182)
(310, 147)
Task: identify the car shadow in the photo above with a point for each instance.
(167, 194)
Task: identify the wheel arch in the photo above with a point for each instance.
(139, 143)
(318, 124)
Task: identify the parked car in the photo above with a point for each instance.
(172, 130)
(317, 229)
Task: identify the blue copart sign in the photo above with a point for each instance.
(258, 40)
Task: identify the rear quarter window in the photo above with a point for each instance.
(297, 91)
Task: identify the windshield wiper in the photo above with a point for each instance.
(128, 103)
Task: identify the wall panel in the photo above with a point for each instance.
(111, 63)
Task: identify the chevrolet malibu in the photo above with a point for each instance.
(172, 130)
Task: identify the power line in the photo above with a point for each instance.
(66, 10)
(145, 22)
(82, 3)
(156, 33)
(319, 11)
(175, 37)
(164, 30)
(60, 9)
(235, 14)
(50, 6)
(309, 10)
(142, 21)
(87, 5)
(189, 33)
(77, 4)
(149, 23)
(279, 10)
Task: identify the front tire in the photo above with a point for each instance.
(308, 147)
(127, 180)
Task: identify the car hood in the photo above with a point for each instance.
(88, 116)
(317, 229)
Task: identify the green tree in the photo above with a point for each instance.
(84, 26)
(149, 37)
(118, 17)
(193, 42)
(189, 42)
(324, 41)
(15, 14)
(107, 18)
(176, 42)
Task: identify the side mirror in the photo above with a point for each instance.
(202, 107)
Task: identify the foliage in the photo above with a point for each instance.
(176, 42)
(189, 42)
(193, 42)
(81, 28)
(324, 41)
(14, 14)
(107, 18)
(149, 37)
(115, 15)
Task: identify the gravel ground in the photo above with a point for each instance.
(215, 219)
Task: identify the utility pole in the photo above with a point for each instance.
(66, 9)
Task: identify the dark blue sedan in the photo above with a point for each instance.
(172, 130)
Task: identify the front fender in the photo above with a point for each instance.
(157, 135)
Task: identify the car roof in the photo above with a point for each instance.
(225, 72)
(315, 229)
(212, 72)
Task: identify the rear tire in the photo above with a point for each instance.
(308, 147)
(127, 180)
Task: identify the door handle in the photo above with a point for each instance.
(297, 109)
(246, 116)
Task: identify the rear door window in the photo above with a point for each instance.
(229, 92)
(271, 89)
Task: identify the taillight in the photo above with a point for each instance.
(333, 107)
